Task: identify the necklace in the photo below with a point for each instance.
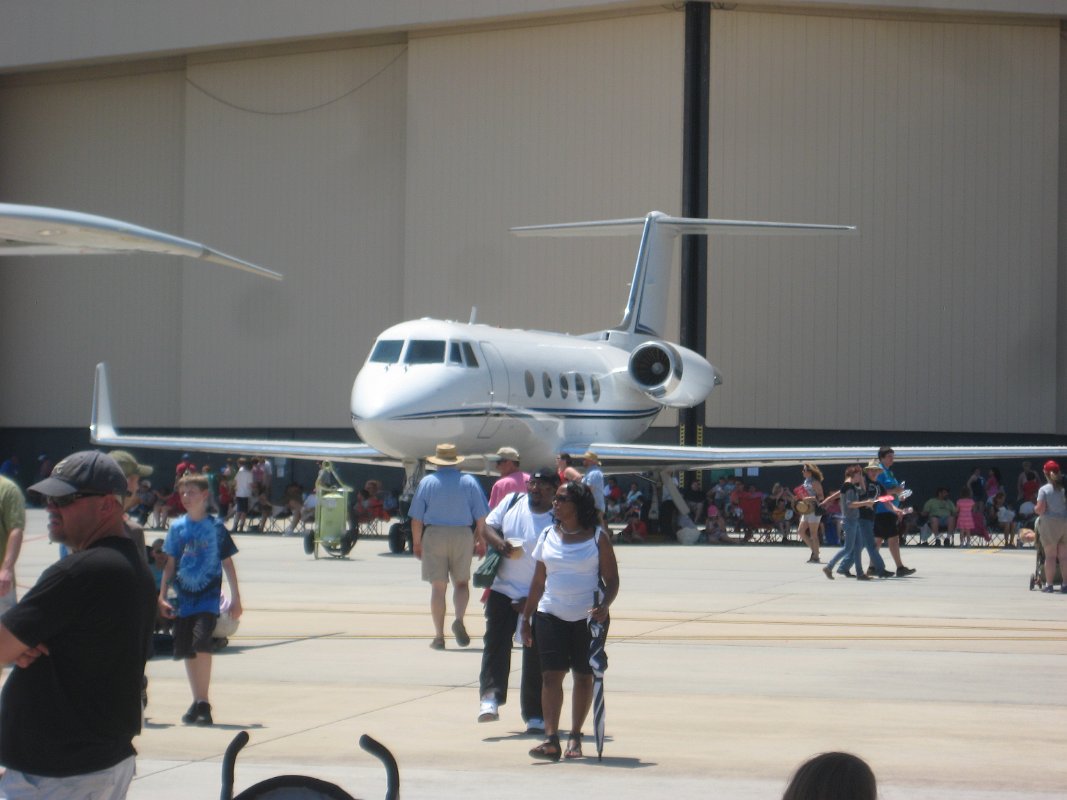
(565, 532)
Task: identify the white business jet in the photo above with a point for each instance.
(430, 381)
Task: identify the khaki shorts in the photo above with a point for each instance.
(447, 552)
(1053, 532)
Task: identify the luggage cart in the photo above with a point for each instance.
(331, 534)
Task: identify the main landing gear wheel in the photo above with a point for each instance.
(399, 534)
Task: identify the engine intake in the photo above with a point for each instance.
(671, 375)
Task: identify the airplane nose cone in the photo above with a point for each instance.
(378, 396)
(398, 410)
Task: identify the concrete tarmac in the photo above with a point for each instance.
(729, 666)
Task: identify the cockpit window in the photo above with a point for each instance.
(424, 351)
(387, 351)
(468, 351)
(455, 355)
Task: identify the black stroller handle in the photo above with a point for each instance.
(376, 748)
(306, 785)
(228, 761)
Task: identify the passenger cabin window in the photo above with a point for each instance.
(468, 351)
(564, 387)
(529, 383)
(455, 355)
(594, 387)
(425, 351)
(387, 351)
(546, 383)
(579, 387)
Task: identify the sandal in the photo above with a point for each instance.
(574, 746)
(548, 750)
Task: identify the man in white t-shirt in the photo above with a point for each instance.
(517, 516)
(242, 493)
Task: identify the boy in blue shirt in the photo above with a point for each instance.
(199, 549)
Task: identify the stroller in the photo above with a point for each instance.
(1037, 578)
(302, 787)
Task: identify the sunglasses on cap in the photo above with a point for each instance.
(69, 499)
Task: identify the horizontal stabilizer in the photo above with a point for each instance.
(35, 230)
(676, 225)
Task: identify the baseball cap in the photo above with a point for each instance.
(1051, 466)
(546, 474)
(87, 471)
(128, 464)
(506, 454)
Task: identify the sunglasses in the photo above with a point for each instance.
(562, 498)
(69, 499)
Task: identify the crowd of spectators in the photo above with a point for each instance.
(263, 509)
(735, 508)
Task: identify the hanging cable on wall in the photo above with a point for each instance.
(315, 107)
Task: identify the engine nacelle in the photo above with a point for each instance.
(671, 374)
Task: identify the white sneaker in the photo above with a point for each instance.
(488, 711)
(535, 725)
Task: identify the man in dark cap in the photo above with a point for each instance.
(69, 714)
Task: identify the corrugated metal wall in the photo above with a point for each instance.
(940, 142)
(112, 146)
(535, 125)
(295, 162)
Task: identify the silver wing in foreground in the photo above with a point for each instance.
(36, 230)
(102, 431)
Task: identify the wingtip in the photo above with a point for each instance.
(101, 427)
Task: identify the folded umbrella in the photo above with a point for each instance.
(598, 660)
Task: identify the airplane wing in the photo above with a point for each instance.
(102, 431)
(626, 458)
(36, 230)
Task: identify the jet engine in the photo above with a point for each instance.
(671, 374)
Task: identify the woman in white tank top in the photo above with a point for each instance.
(572, 556)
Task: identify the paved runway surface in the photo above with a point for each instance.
(729, 667)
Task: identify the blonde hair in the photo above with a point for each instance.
(814, 470)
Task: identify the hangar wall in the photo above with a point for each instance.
(381, 179)
(296, 162)
(113, 145)
(939, 140)
(557, 123)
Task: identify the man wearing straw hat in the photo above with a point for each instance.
(447, 506)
